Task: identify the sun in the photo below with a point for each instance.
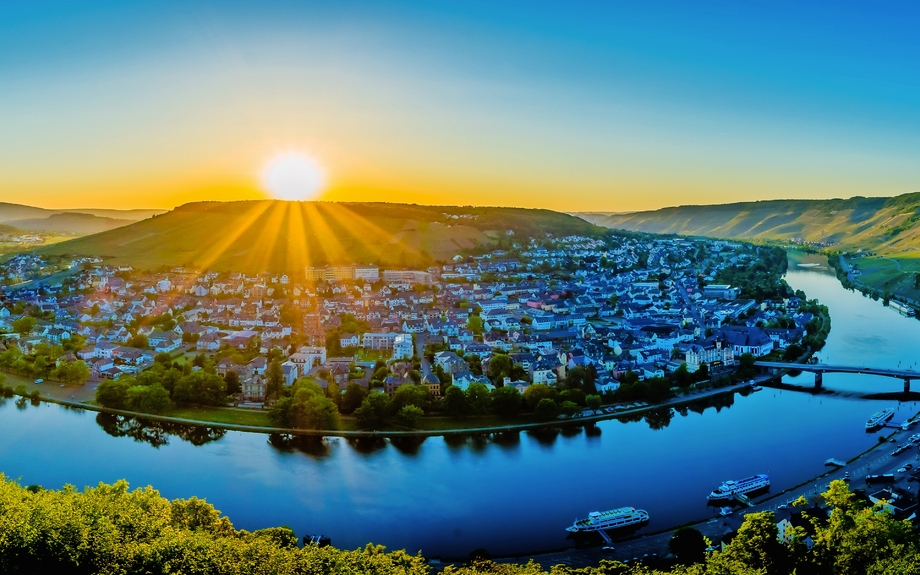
(293, 176)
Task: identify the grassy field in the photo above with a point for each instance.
(223, 415)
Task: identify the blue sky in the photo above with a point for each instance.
(591, 105)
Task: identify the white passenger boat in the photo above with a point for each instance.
(597, 520)
(879, 418)
(729, 489)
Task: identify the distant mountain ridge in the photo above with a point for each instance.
(276, 236)
(887, 225)
(69, 221)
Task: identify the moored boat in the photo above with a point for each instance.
(730, 489)
(879, 418)
(613, 519)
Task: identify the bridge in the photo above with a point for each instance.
(819, 369)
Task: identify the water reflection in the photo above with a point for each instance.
(311, 445)
(659, 418)
(156, 433)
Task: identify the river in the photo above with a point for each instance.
(512, 493)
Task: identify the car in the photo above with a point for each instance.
(917, 479)
(607, 548)
(39, 380)
(902, 470)
(609, 409)
(782, 506)
(909, 466)
(62, 385)
(893, 440)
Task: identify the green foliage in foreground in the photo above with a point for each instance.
(110, 529)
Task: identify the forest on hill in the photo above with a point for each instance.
(276, 236)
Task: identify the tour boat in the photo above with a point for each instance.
(729, 489)
(879, 418)
(597, 520)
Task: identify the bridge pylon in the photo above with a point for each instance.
(819, 379)
(906, 385)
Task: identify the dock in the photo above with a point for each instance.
(606, 537)
(743, 499)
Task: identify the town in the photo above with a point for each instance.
(571, 322)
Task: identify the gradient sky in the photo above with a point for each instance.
(612, 106)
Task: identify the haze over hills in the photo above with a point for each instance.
(69, 221)
(256, 236)
(884, 225)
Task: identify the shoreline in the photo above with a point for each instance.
(679, 400)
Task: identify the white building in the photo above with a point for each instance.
(402, 346)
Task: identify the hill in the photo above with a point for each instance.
(70, 223)
(256, 236)
(884, 225)
(884, 231)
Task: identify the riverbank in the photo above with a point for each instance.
(249, 428)
(869, 461)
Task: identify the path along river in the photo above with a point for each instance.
(513, 493)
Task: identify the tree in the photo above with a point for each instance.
(24, 325)
(793, 352)
(352, 398)
(499, 368)
(454, 402)
(506, 401)
(316, 411)
(148, 398)
(139, 341)
(702, 374)
(537, 392)
(569, 408)
(374, 410)
(594, 402)
(112, 393)
(417, 395)
(477, 396)
(232, 379)
(201, 388)
(546, 409)
(688, 545)
(274, 380)
(474, 324)
(408, 415)
(746, 365)
(756, 545)
(71, 372)
(683, 377)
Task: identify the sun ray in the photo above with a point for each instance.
(372, 235)
(325, 237)
(265, 244)
(207, 258)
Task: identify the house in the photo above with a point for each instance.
(403, 347)
(208, 342)
(450, 362)
(349, 340)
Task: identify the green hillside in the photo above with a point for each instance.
(884, 225)
(257, 236)
(887, 228)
